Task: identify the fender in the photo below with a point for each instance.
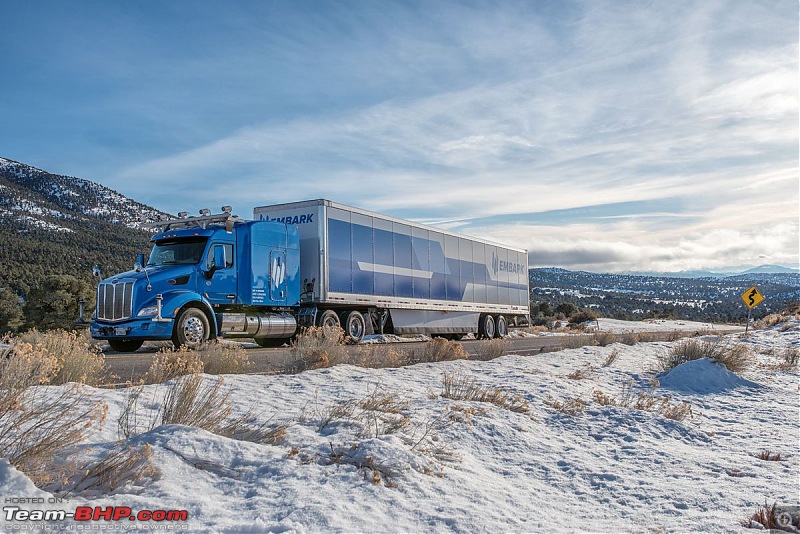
(175, 300)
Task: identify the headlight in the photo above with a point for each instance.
(149, 311)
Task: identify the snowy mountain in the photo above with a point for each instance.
(31, 197)
(56, 224)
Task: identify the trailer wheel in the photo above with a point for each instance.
(486, 327)
(125, 345)
(501, 326)
(328, 318)
(354, 327)
(191, 329)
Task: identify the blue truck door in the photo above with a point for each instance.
(221, 287)
(277, 276)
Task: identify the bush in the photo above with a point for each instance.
(463, 387)
(224, 358)
(171, 363)
(317, 347)
(77, 358)
(646, 402)
(491, 349)
(35, 426)
(582, 317)
(766, 518)
(735, 357)
(439, 350)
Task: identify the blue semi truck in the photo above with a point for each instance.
(309, 263)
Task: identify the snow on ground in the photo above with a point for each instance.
(658, 325)
(476, 467)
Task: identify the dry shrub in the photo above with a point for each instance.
(769, 456)
(644, 337)
(771, 320)
(122, 466)
(582, 373)
(766, 517)
(224, 358)
(465, 414)
(578, 341)
(605, 339)
(735, 357)
(459, 386)
(611, 358)
(791, 357)
(491, 349)
(646, 402)
(78, 359)
(317, 347)
(171, 363)
(38, 423)
(629, 338)
(379, 413)
(439, 350)
(194, 401)
(572, 407)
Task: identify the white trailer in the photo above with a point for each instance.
(375, 273)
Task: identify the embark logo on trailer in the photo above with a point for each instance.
(505, 266)
(289, 219)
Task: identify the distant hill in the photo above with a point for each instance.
(762, 269)
(56, 224)
(636, 296)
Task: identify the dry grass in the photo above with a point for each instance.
(605, 339)
(578, 341)
(378, 414)
(611, 358)
(37, 424)
(439, 350)
(122, 466)
(765, 517)
(771, 320)
(196, 401)
(790, 359)
(572, 407)
(171, 363)
(582, 373)
(491, 349)
(646, 402)
(224, 358)
(317, 347)
(78, 359)
(769, 456)
(459, 386)
(736, 357)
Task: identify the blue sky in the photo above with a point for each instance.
(605, 136)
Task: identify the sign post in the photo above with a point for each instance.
(752, 298)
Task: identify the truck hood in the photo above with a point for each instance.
(158, 275)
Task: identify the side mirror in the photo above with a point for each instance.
(96, 272)
(139, 265)
(218, 260)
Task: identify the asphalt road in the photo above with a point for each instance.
(131, 367)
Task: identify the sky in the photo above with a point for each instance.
(605, 136)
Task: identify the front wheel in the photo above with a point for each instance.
(125, 345)
(191, 329)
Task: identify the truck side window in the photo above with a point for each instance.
(228, 255)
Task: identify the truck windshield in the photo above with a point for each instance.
(177, 251)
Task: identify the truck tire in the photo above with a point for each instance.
(354, 326)
(125, 345)
(270, 342)
(328, 318)
(191, 329)
(486, 327)
(500, 326)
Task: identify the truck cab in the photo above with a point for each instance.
(205, 277)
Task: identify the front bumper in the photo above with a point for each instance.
(145, 329)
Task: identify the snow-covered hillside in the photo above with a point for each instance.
(418, 462)
(42, 199)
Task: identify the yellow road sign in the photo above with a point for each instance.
(752, 297)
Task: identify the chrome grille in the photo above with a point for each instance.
(114, 301)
